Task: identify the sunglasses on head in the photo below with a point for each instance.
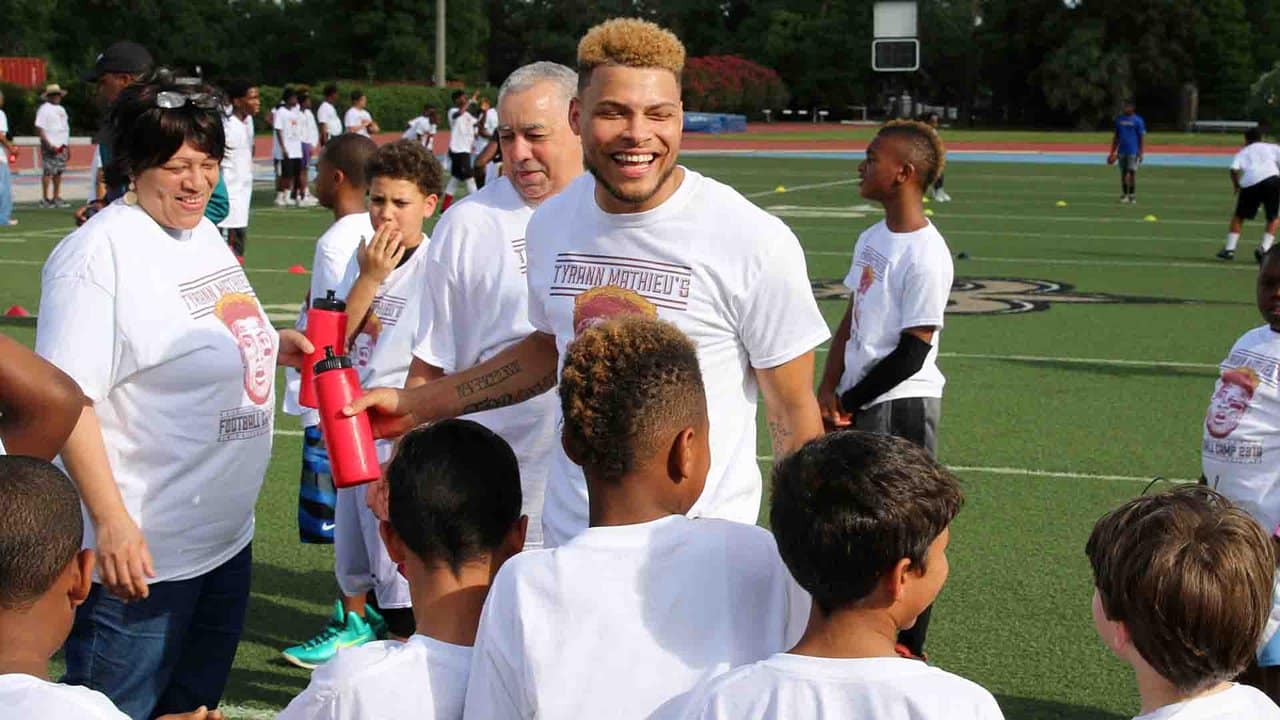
(174, 99)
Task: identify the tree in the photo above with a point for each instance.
(1083, 77)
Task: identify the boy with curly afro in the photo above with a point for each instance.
(627, 618)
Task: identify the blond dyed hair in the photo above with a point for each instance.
(927, 153)
(629, 42)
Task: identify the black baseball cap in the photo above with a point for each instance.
(121, 57)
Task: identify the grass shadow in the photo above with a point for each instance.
(1023, 708)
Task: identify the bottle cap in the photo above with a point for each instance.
(329, 302)
(332, 361)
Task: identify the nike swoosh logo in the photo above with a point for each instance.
(326, 526)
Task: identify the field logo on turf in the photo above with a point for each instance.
(1007, 296)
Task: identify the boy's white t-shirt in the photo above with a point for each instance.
(4, 129)
(490, 123)
(478, 306)
(327, 115)
(624, 622)
(1257, 162)
(25, 696)
(1240, 448)
(53, 120)
(355, 120)
(335, 251)
(462, 132)
(421, 678)
(1236, 703)
(237, 169)
(288, 122)
(899, 281)
(729, 275)
(310, 130)
(789, 686)
(419, 128)
(166, 336)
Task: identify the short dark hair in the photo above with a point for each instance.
(356, 95)
(454, 491)
(407, 160)
(624, 383)
(330, 90)
(849, 506)
(1253, 135)
(237, 88)
(351, 153)
(145, 135)
(455, 95)
(288, 93)
(42, 529)
(1190, 576)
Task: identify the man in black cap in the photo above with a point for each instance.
(119, 66)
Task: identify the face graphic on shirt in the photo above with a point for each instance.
(608, 301)
(865, 280)
(365, 340)
(1230, 402)
(239, 312)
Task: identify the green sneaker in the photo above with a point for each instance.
(338, 634)
(377, 623)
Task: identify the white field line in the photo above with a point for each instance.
(1050, 216)
(1243, 266)
(797, 188)
(1029, 472)
(1082, 361)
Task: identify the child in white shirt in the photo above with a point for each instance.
(44, 577)
(454, 511)
(628, 617)
(1183, 584)
(862, 522)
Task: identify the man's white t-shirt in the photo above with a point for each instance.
(789, 686)
(237, 169)
(1257, 162)
(899, 281)
(490, 123)
(165, 335)
(53, 120)
(335, 251)
(625, 621)
(310, 130)
(327, 115)
(462, 132)
(4, 129)
(288, 122)
(355, 120)
(1240, 449)
(477, 306)
(729, 275)
(422, 678)
(419, 129)
(25, 696)
(1236, 703)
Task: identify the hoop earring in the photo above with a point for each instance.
(131, 195)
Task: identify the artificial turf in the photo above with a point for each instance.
(1056, 415)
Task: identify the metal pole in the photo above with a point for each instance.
(440, 75)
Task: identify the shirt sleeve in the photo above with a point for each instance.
(1142, 126)
(42, 118)
(779, 318)
(4, 123)
(317, 702)
(494, 690)
(434, 341)
(77, 331)
(924, 293)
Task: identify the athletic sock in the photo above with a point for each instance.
(1267, 241)
(1233, 239)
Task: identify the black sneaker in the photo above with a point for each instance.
(1226, 254)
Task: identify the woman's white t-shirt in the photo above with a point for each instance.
(789, 686)
(476, 307)
(165, 335)
(237, 169)
(899, 281)
(26, 696)
(729, 275)
(626, 621)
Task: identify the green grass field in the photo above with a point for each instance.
(863, 133)
(1051, 417)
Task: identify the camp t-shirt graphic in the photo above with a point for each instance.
(873, 265)
(608, 286)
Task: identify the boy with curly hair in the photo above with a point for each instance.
(882, 373)
(628, 617)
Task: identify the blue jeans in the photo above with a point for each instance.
(6, 193)
(169, 653)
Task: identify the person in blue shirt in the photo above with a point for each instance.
(1126, 146)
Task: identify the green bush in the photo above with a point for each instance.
(1264, 100)
(20, 105)
(392, 105)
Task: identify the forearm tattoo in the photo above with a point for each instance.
(781, 434)
(506, 399)
(488, 380)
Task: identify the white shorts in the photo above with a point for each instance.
(360, 560)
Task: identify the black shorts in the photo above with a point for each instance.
(291, 167)
(460, 165)
(1265, 194)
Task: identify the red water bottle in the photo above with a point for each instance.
(326, 327)
(353, 457)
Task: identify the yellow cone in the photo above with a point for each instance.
(1061, 203)
(1150, 218)
(780, 189)
(928, 212)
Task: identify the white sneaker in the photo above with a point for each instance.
(942, 196)
(308, 201)
(281, 201)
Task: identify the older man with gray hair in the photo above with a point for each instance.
(477, 303)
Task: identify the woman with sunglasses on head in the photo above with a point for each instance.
(147, 308)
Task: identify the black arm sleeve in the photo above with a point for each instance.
(905, 361)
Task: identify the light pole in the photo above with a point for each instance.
(440, 43)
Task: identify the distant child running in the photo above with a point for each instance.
(1255, 179)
